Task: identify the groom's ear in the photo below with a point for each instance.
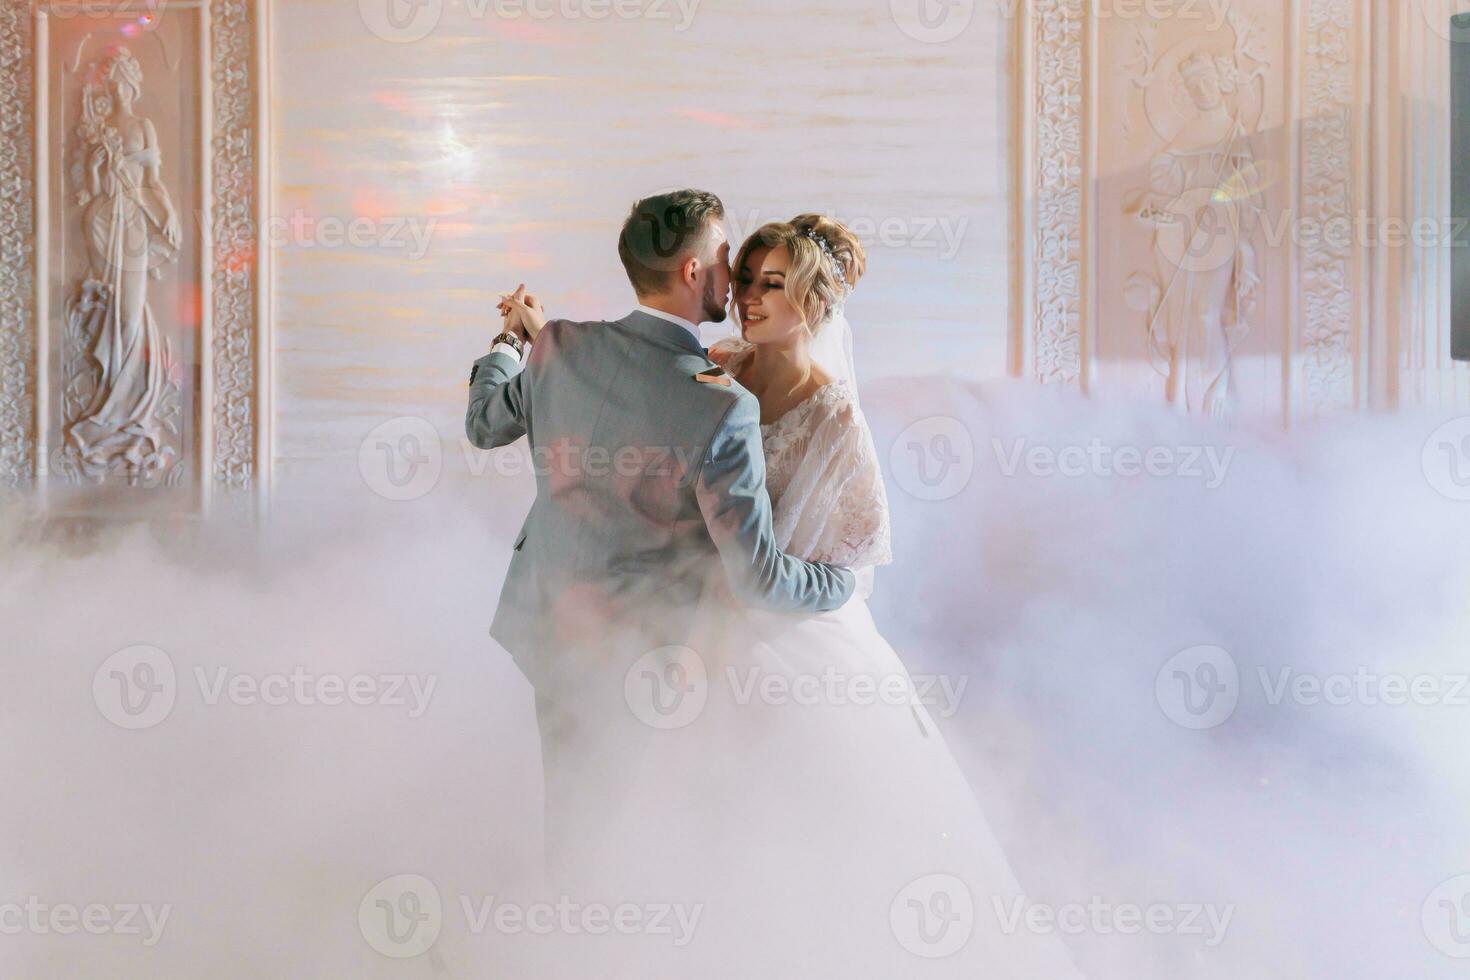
(689, 270)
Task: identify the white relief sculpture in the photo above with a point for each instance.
(122, 392)
(1204, 201)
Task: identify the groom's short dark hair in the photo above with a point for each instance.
(661, 232)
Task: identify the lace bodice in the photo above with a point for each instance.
(823, 476)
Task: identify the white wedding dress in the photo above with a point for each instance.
(813, 803)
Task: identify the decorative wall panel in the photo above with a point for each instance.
(132, 373)
(1209, 198)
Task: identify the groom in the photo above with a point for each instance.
(650, 480)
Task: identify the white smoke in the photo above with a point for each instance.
(1323, 829)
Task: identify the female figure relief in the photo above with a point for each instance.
(1203, 203)
(130, 229)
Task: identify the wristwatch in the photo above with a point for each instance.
(512, 341)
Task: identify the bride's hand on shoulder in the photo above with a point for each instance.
(723, 352)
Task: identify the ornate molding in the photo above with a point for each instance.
(17, 236)
(1329, 300)
(1056, 251)
(235, 207)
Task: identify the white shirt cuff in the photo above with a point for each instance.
(506, 349)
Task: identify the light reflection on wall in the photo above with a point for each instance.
(514, 146)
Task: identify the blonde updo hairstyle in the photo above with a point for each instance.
(812, 282)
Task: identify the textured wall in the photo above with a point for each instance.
(512, 146)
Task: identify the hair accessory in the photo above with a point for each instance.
(826, 248)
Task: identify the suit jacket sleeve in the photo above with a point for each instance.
(731, 489)
(497, 412)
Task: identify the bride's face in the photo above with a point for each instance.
(767, 315)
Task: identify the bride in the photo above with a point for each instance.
(823, 822)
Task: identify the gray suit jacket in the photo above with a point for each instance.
(650, 488)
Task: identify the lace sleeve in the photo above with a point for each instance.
(836, 507)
